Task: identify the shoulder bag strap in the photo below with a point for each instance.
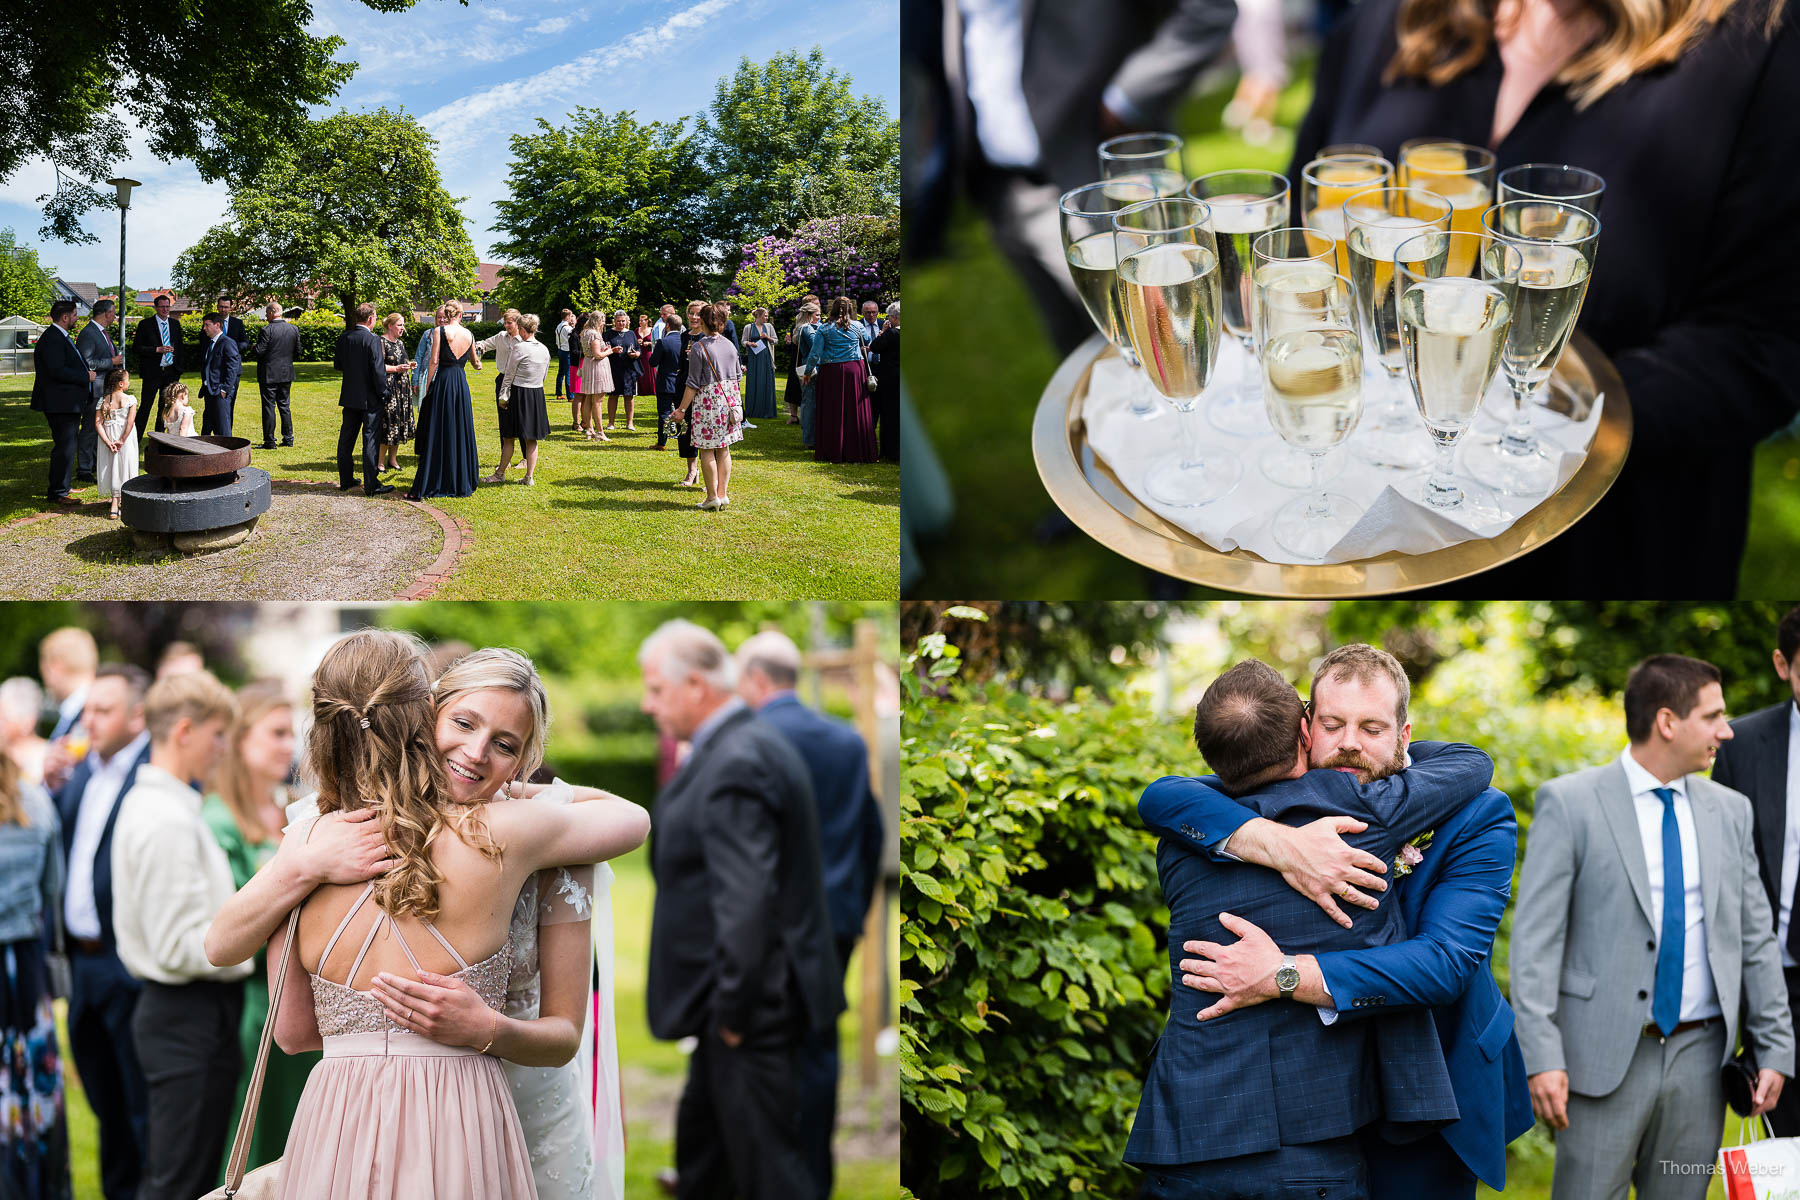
(240, 1145)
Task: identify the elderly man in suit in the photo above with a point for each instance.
(159, 358)
(220, 368)
(61, 390)
(1762, 760)
(1641, 936)
(1451, 900)
(1243, 1100)
(850, 831)
(274, 353)
(358, 359)
(103, 994)
(740, 940)
(101, 355)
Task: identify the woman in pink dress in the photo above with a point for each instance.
(391, 1113)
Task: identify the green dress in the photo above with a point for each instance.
(286, 1077)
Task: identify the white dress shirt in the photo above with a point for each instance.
(170, 879)
(563, 330)
(1790, 842)
(81, 913)
(994, 65)
(501, 344)
(68, 713)
(1699, 998)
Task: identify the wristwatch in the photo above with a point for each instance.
(1287, 977)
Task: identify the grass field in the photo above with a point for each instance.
(603, 521)
(976, 390)
(868, 1166)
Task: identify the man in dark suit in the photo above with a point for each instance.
(103, 994)
(1452, 900)
(851, 833)
(274, 353)
(358, 359)
(1762, 760)
(1253, 1097)
(668, 361)
(157, 354)
(233, 327)
(220, 368)
(101, 355)
(740, 940)
(60, 389)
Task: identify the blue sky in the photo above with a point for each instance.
(476, 75)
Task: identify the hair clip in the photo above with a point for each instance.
(364, 722)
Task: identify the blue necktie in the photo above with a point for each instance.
(1665, 1007)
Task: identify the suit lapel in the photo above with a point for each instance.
(1621, 818)
(1709, 834)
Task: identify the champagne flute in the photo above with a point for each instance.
(1288, 251)
(1313, 387)
(1460, 173)
(1245, 205)
(1376, 222)
(1324, 186)
(1151, 159)
(1551, 181)
(1355, 149)
(1169, 287)
(1452, 329)
(1557, 242)
(1086, 214)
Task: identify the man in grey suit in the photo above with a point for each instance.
(1641, 932)
(101, 355)
(1041, 85)
(274, 353)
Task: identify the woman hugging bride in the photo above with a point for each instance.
(451, 1015)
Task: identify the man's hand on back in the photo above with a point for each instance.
(1314, 859)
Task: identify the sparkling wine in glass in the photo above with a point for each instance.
(1245, 205)
(1281, 253)
(1460, 173)
(1313, 388)
(1376, 223)
(1169, 288)
(1152, 160)
(1085, 214)
(1324, 186)
(1552, 181)
(1453, 328)
(1556, 242)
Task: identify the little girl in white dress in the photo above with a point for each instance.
(117, 439)
(177, 415)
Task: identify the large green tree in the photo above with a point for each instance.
(25, 287)
(601, 188)
(786, 141)
(355, 209)
(224, 85)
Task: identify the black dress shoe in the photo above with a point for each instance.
(380, 489)
(344, 487)
(63, 501)
(84, 479)
(289, 442)
(268, 445)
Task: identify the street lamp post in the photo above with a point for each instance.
(124, 187)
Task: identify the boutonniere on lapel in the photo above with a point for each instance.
(1411, 854)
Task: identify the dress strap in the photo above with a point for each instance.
(368, 890)
(461, 964)
(355, 966)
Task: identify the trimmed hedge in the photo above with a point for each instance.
(1034, 975)
(319, 334)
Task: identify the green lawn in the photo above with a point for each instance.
(976, 393)
(604, 521)
(654, 1070)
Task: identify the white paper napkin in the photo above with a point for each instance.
(1131, 445)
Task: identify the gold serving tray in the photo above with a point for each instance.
(1085, 488)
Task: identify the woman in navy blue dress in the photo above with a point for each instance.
(448, 462)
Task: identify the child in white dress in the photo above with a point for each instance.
(113, 418)
(177, 415)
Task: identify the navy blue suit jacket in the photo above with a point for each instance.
(68, 807)
(1270, 1075)
(1452, 903)
(61, 383)
(850, 829)
(220, 367)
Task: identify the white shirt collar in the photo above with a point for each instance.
(1643, 783)
(129, 754)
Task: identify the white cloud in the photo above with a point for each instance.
(552, 25)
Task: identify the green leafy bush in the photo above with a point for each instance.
(1035, 978)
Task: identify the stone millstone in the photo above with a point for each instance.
(212, 539)
(153, 504)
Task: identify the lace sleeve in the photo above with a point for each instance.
(565, 894)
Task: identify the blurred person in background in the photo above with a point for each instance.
(1037, 87)
(178, 658)
(21, 704)
(1260, 40)
(66, 661)
(1687, 111)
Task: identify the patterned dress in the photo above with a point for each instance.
(396, 407)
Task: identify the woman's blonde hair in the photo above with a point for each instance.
(507, 671)
(528, 324)
(1442, 39)
(256, 700)
(373, 742)
(393, 318)
(170, 394)
(450, 308)
(12, 801)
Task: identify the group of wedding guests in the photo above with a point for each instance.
(431, 1042)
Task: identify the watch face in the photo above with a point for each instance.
(1287, 979)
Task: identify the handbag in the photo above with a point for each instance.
(264, 1182)
(1764, 1169)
